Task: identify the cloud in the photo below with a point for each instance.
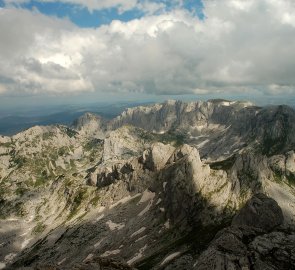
(275, 89)
(32, 59)
(2, 88)
(149, 7)
(239, 46)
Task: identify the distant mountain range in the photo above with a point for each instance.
(15, 122)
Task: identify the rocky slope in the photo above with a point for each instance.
(218, 128)
(150, 189)
(253, 241)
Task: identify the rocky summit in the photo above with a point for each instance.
(177, 185)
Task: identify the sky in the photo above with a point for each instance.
(85, 50)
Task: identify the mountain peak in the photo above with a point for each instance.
(90, 124)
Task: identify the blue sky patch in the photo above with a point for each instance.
(82, 17)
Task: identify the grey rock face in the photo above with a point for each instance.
(274, 127)
(226, 252)
(95, 263)
(178, 114)
(123, 143)
(180, 184)
(90, 124)
(218, 127)
(283, 165)
(276, 250)
(261, 213)
(157, 156)
(245, 245)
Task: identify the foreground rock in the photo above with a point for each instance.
(261, 213)
(248, 242)
(95, 263)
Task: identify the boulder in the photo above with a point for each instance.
(260, 212)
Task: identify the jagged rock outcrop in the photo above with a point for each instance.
(217, 127)
(90, 124)
(137, 172)
(274, 128)
(249, 242)
(261, 213)
(156, 157)
(123, 143)
(247, 171)
(182, 180)
(283, 165)
(192, 116)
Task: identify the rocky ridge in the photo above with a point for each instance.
(252, 241)
(151, 187)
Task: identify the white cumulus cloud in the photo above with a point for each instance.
(239, 46)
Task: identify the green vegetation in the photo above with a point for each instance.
(2, 214)
(38, 216)
(39, 228)
(47, 135)
(40, 180)
(70, 132)
(5, 208)
(20, 191)
(281, 177)
(19, 209)
(95, 200)
(291, 178)
(73, 165)
(80, 196)
(92, 144)
(63, 150)
(229, 210)
(210, 194)
(20, 161)
(35, 141)
(173, 138)
(6, 144)
(247, 175)
(146, 136)
(169, 137)
(278, 177)
(2, 191)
